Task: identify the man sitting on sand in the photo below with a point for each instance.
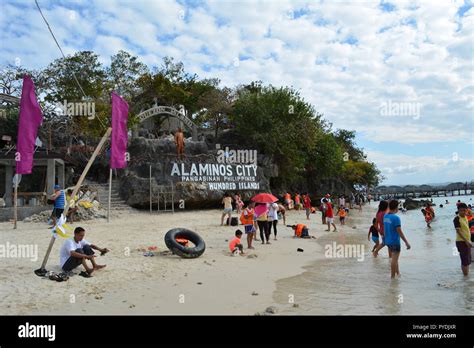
(76, 250)
(235, 245)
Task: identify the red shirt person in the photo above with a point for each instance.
(329, 215)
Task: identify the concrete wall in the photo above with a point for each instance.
(6, 214)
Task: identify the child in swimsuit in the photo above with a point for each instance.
(375, 234)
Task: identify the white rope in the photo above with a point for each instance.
(64, 56)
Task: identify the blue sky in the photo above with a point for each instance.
(348, 58)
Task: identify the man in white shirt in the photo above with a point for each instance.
(76, 250)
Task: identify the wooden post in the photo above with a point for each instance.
(15, 202)
(150, 192)
(42, 270)
(172, 195)
(110, 194)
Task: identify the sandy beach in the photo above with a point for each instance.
(215, 283)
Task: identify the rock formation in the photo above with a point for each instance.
(161, 155)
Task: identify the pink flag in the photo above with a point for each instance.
(29, 120)
(119, 132)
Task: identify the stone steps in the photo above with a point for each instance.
(116, 202)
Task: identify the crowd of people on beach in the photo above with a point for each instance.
(264, 217)
(385, 230)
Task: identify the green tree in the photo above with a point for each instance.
(346, 138)
(361, 173)
(278, 122)
(58, 83)
(216, 106)
(124, 72)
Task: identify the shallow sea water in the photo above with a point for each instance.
(431, 281)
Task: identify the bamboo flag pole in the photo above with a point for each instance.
(110, 194)
(15, 202)
(42, 270)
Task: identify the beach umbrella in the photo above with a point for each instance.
(264, 198)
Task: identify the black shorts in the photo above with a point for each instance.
(57, 212)
(304, 233)
(394, 248)
(464, 253)
(72, 262)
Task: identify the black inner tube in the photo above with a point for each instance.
(180, 250)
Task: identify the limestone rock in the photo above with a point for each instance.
(411, 204)
(161, 154)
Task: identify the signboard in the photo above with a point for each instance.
(234, 170)
(218, 176)
(166, 110)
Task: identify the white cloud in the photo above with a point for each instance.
(421, 169)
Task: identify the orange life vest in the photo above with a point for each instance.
(469, 215)
(247, 220)
(297, 199)
(342, 213)
(288, 196)
(299, 229)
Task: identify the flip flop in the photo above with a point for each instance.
(63, 276)
(55, 277)
(85, 274)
